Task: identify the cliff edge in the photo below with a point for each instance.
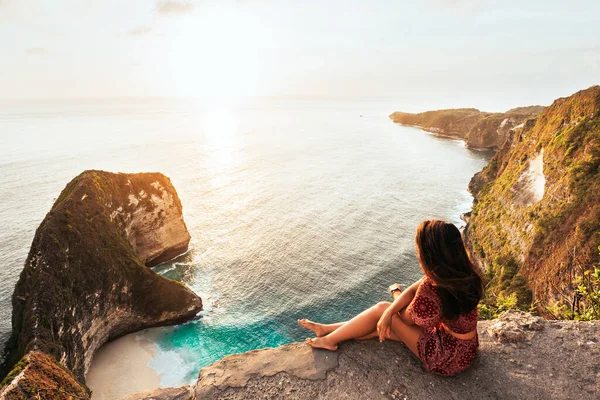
(521, 357)
(86, 279)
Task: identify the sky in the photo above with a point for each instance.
(492, 55)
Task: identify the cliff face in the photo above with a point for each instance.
(478, 129)
(85, 282)
(535, 223)
(521, 357)
(154, 224)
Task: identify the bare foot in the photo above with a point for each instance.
(318, 329)
(320, 343)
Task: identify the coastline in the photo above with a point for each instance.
(457, 136)
(434, 131)
(463, 216)
(120, 368)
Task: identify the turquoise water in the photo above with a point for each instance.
(296, 208)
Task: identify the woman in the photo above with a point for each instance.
(436, 317)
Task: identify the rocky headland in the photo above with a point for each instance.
(521, 357)
(86, 280)
(481, 130)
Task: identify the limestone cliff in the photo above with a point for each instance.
(155, 226)
(85, 282)
(521, 357)
(479, 129)
(535, 223)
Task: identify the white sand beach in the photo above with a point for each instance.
(120, 368)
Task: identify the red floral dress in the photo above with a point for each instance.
(440, 352)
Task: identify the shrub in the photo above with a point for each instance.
(503, 303)
(586, 300)
(587, 297)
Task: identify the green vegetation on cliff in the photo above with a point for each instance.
(535, 224)
(479, 129)
(41, 377)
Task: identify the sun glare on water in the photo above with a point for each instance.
(218, 142)
(220, 126)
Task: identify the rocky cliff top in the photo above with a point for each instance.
(521, 357)
(531, 110)
(86, 279)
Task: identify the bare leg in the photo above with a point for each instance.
(319, 329)
(364, 325)
(371, 335)
(395, 337)
(325, 329)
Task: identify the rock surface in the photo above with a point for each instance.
(297, 359)
(481, 130)
(180, 393)
(156, 230)
(84, 282)
(521, 357)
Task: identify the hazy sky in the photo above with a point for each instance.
(488, 54)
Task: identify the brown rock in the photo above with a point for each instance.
(515, 326)
(180, 393)
(154, 226)
(297, 359)
(38, 376)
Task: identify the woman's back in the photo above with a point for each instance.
(426, 311)
(441, 352)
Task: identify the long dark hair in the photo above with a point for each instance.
(444, 260)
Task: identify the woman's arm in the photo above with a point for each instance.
(400, 303)
(404, 314)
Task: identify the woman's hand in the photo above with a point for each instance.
(384, 325)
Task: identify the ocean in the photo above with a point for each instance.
(296, 208)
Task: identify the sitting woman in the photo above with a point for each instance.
(436, 317)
